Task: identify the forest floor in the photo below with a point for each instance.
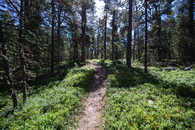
(91, 119)
(106, 94)
(159, 99)
(55, 103)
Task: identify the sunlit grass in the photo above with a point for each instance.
(157, 100)
(53, 106)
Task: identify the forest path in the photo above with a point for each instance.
(94, 104)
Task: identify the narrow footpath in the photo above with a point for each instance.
(91, 118)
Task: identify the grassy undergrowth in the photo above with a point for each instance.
(157, 100)
(54, 103)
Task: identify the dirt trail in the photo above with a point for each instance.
(92, 116)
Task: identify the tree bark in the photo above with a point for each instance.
(75, 48)
(83, 27)
(146, 37)
(129, 37)
(113, 35)
(58, 31)
(138, 43)
(52, 36)
(158, 18)
(98, 40)
(134, 45)
(22, 28)
(87, 48)
(105, 36)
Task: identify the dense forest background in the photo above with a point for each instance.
(138, 54)
(39, 36)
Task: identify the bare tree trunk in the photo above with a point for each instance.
(159, 35)
(129, 37)
(52, 36)
(113, 35)
(105, 36)
(75, 57)
(98, 41)
(136, 33)
(98, 48)
(146, 37)
(75, 41)
(23, 21)
(93, 52)
(87, 48)
(24, 91)
(83, 27)
(48, 49)
(75, 49)
(138, 44)
(134, 45)
(158, 18)
(58, 31)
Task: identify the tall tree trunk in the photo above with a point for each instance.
(87, 48)
(158, 18)
(113, 35)
(48, 49)
(75, 41)
(133, 51)
(23, 28)
(58, 31)
(98, 40)
(97, 48)
(105, 36)
(138, 43)
(83, 27)
(135, 32)
(146, 37)
(93, 52)
(134, 45)
(129, 37)
(75, 56)
(52, 35)
(159, 35)
(75, 48)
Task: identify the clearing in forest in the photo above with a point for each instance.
(92, 115)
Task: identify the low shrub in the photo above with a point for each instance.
(54, 106)
(136, 100)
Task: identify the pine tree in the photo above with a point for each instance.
(129, 37)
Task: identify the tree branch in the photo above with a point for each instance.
(10, 2)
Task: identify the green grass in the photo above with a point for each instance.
(54, 104)
(157, 100)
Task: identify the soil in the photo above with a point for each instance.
(91, 118)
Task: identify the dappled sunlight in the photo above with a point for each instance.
(146, 101)
(53, 106)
